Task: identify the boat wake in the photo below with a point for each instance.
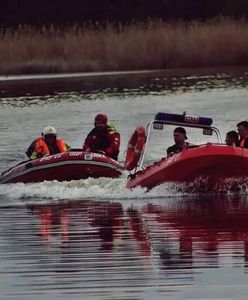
(91, 188)
(111, 189)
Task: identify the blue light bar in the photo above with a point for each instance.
(184, 118)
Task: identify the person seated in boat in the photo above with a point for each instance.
(243, 134)
(47, 144)
(103, 138)
(180, 138)
(232, 138)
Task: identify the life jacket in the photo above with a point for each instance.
(176, 148)
(107, 140)
(242, 143)
(114, 137)
(41, 146)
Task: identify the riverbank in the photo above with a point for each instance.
(154, 45)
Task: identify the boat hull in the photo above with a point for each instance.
(216, 162)
(63, 167)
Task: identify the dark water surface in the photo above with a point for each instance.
(140, 82)
(180, 248)
(94, 239)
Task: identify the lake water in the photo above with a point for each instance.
(94, 239)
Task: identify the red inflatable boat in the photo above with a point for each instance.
(214, 161)
(63, 167)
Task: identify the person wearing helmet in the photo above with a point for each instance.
(47, 144)
(103, 138)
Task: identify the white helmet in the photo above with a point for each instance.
(49, 130)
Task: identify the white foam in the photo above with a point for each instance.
(107, 189)
(101, 188)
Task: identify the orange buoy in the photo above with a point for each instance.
(135, 147)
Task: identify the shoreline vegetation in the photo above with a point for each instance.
(138, 46)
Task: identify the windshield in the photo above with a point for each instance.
(160, 137)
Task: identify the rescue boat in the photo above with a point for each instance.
(213, 161)
(65, 166)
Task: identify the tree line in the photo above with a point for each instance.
(68, 12)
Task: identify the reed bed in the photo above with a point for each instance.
(154, 45)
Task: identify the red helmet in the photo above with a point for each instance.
(101, 119)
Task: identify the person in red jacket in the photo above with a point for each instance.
(47, 144)
(103, 138)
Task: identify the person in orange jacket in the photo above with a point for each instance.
(243, 134)
(103, 138)
(47, 144)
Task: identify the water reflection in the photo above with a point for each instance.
(203, 231)
(104, 222)
(104, 250)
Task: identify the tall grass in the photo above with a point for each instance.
(153, 45)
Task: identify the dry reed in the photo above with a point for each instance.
(154, 45)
